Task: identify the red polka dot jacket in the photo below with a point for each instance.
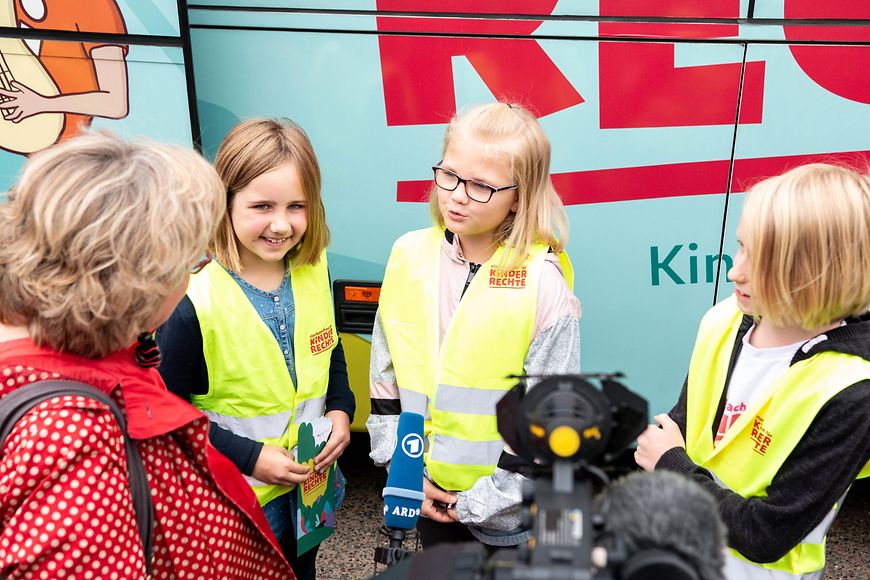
(65, 504)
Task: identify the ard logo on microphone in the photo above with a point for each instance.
(403, 511)
(412, 445)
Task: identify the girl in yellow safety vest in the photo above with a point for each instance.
(484, 294)
(774, 418)
(253, 343)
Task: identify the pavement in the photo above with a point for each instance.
(348, 554)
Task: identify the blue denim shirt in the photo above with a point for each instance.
(278, 311)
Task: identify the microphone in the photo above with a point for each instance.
(670, 527)
(403, 494)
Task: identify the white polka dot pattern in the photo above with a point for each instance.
(66, 509)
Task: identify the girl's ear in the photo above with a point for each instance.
(516, 203)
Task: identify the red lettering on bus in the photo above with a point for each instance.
(841, 70)
(418, 70)
(668, 180)
(640, 86)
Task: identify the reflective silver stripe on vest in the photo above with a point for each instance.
(820, 531)
(256, 428)
(310, 409)
(467, 400)
(456, 451)
(253, 481)
(414, 402)
(737, 568)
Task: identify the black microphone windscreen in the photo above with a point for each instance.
(667, 512)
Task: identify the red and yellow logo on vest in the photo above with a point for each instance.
(322, 340)
(760, 436)
(499, 278)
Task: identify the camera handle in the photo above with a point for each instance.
(394, 553)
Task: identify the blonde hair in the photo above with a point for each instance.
(97, 234)
(255, 147)
(509, 131)
(809, 245)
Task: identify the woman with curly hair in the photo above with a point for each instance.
(97, 242)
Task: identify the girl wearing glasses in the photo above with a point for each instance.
(484, 294)
(774, 418)
(254, 342)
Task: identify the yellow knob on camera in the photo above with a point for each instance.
(564, 441)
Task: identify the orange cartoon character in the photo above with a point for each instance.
(50, 89)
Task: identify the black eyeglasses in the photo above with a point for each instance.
(477, 190)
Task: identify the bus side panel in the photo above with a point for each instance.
(643, 133)
(147, 74)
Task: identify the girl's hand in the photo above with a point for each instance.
(656, 440)
(433, 511)
(338, 440)
(277, 466)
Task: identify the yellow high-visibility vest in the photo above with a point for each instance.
(250, 391)
(754, 448)
(456, 385)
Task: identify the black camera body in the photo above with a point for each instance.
(567, 429)
(564, 431)
(563, 428)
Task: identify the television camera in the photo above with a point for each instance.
(566, 429)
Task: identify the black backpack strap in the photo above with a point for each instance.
(22, 400)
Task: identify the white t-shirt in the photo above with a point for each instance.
(755, 370)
